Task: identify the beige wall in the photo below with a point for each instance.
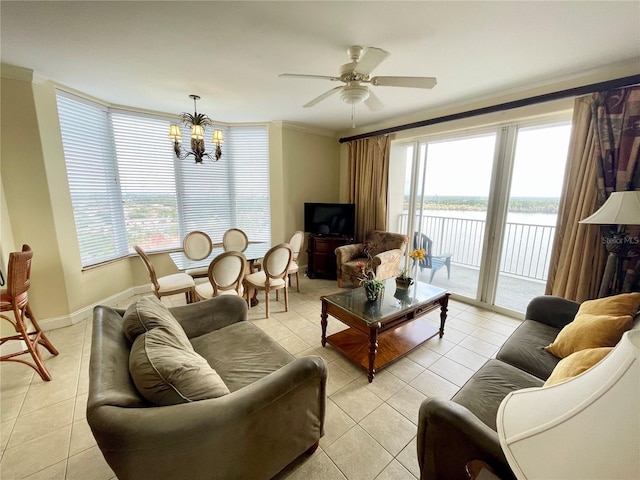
(311, 174)
(36, 205)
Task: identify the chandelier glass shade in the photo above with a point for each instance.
(197, 123)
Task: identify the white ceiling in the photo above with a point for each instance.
(152, 55)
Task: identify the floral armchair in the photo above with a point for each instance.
(386, 250)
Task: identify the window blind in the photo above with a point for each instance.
(147, 180)
(93, 179)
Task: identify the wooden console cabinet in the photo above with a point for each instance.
(322, 258)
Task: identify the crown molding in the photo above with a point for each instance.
(16, 73)
(306, 128)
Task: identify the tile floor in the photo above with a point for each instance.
(370, 429)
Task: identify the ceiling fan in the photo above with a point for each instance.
(356, 73)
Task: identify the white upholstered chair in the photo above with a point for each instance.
(168, 284)
(296, 242)
(235, 239)
(197, 245)
(273, 275)
(225, 273)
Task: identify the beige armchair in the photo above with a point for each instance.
(386, 250)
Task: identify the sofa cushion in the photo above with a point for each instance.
(590, 330)
(618, 305)
(241, 353)
(148, 313)
(482, 394)
(576, 363)
(525, 348)
(166, 373)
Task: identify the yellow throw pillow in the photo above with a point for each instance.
(623, 304)
(576, 363)
(590, 331)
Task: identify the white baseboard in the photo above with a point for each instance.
(86, 312)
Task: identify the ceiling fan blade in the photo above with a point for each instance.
(373, 102)
(319, 77)
(371, 59)
(412, 82)
(322, 97)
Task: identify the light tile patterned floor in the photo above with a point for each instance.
(370, 429)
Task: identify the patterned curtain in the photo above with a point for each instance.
(603, 158)
(369, 183)
(618, 168)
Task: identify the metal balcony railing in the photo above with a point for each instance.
(526, 250)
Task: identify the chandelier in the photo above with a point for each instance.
(197, 122)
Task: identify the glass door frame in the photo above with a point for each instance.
(499, 193)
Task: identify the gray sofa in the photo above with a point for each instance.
(274, 412)
(452, 432)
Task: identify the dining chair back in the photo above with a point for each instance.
(197, 245)
(296, 241)
(16, 300)
(235, 239)
(225, 273)
(273, 275)
(167, 284)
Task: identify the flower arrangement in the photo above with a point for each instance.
(373, 287)
(417, 254)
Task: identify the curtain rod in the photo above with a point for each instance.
(547, 97)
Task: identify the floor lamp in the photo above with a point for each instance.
(621, 209)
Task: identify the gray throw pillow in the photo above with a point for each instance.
(148, 313)
(165, 373)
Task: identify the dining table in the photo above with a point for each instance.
(254, 251)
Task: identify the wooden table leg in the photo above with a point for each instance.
(373, 350)
(323, 323)
(444, 303)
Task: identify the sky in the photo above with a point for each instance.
(463, 166)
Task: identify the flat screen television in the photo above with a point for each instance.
(331, 219)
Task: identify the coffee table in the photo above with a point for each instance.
(382, 331)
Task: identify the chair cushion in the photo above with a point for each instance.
(177, 281)
(484, 391)
(589, 330)
(293, 267)
(576, 363)
(525, 348)
(205, 290)
(241, 353)
(148, 313)
(166, 373)
(259, 279)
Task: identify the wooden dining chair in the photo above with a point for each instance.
(16, 300)
(225, 273)
(273, 275)
(197, 245)
(235, 239)
(296, 242)
(168, 284)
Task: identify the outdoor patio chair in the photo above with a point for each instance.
(434, 262)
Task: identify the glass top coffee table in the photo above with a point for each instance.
(382, 331)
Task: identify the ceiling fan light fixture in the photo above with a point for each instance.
(354, 94)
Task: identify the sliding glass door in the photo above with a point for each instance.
(488, 201)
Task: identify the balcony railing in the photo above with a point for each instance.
(526, 250)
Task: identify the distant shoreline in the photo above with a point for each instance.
(479, 204)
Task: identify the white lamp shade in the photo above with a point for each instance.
(197, 132)
(621, 208)
(174, 133)
(585, 428)
(218, 137)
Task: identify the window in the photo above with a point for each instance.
(128, 189)
(488, 197)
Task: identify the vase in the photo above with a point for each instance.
(404, 283)
(373, 290)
